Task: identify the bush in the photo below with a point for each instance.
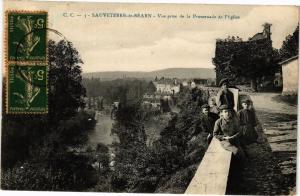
(68, 173)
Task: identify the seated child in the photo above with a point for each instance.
(208, 120)
(227, 130)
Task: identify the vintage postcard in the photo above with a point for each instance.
(149, 98)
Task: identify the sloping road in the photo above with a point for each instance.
(279, 121)
(265, 101)
(272, 164)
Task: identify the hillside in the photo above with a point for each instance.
(169, 73)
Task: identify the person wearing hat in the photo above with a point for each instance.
(227, 130)
(224, 96)
(208, 120)
(248, 123)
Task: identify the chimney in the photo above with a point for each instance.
(267, 30)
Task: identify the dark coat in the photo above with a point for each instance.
(225, 98)
(208, 122)
(228, 128)
(248, 123)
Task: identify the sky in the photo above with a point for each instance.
(147, 44)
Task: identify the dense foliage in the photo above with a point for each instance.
(112, 90)
(245, 61)
(169, 164)
(290, 46)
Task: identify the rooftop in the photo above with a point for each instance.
(288, 60)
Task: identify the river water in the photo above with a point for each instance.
(102, 132)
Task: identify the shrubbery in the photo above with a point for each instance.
(141, 168)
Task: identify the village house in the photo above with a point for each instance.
(192, 84)
(160, 89)
(290, 76)
(184, 83)
(165, 86)
(200, 82)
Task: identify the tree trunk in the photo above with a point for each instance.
(254, 84)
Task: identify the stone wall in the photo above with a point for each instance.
(290, 77)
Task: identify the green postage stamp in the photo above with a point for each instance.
(26, 42)
(27, 89)
(27, 36)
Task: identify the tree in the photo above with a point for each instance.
(245, 61)
(102, 158)
(66, 91)
(89, 103)
(253, 61)
(99, 103)
(290, 45)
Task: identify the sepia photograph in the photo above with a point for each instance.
(149, 98)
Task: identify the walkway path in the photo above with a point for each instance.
(266, 101)
(280, 122)
(272, 163)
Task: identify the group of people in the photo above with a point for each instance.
(235, 130)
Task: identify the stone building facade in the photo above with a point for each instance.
(290, 76)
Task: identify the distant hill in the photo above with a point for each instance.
(181, 73)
